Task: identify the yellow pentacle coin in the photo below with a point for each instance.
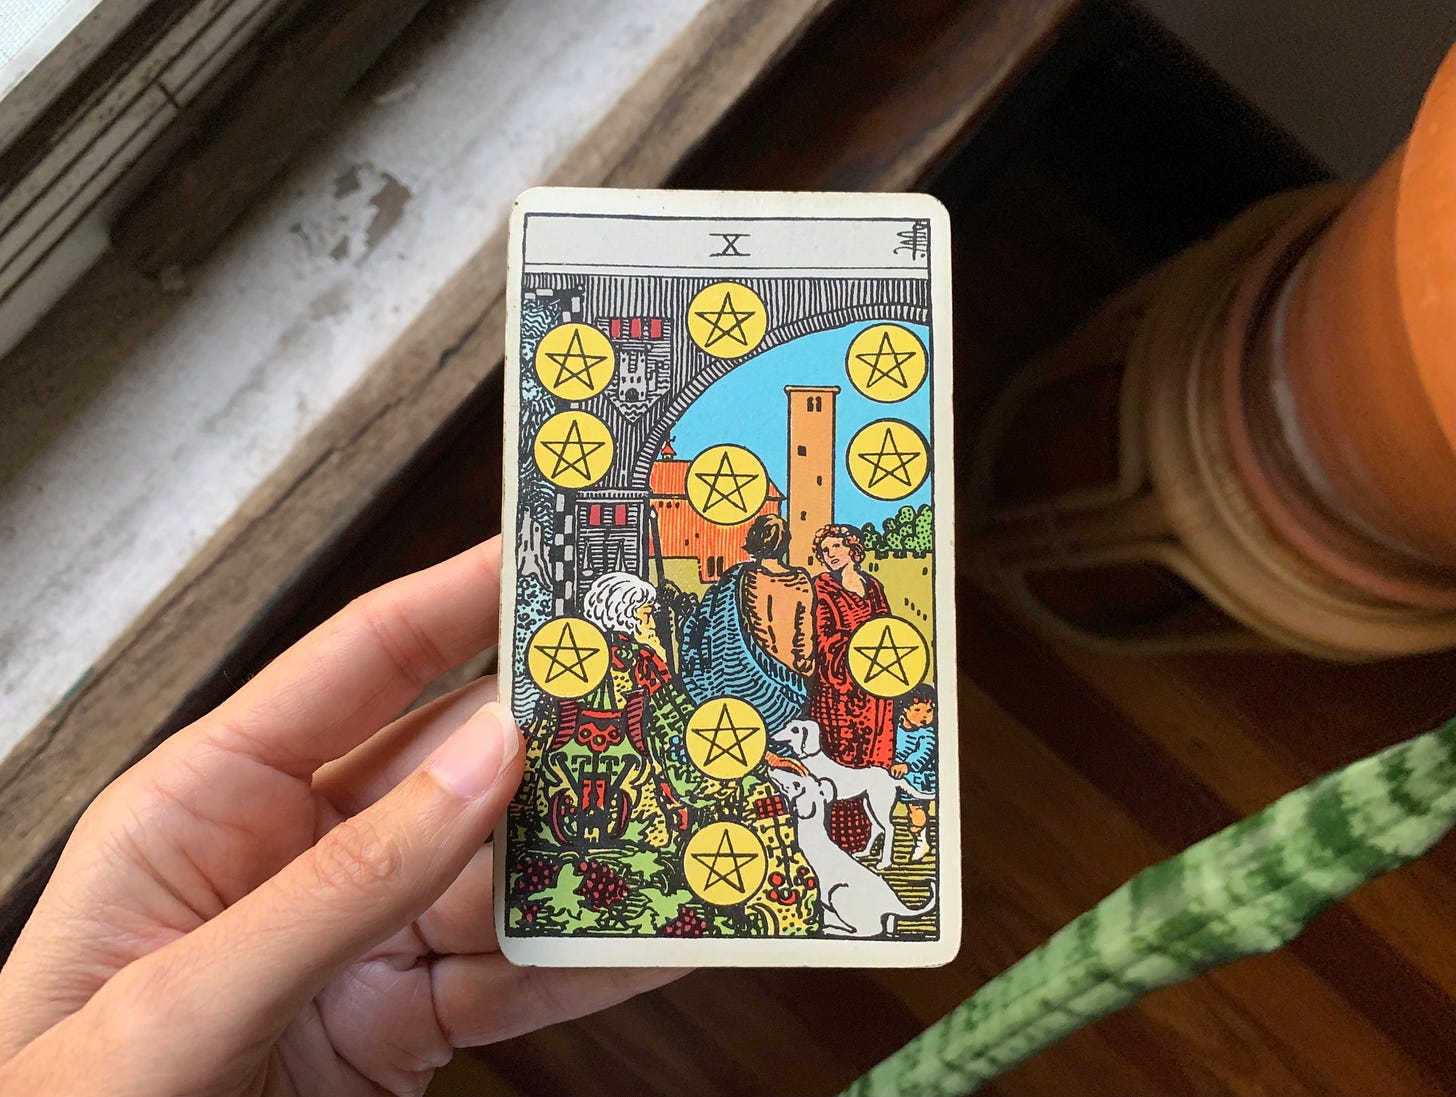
(888, 459)
(724, 863)
(573, 449)
(574, 361)
(727, 484)
(726, 738)
(886, 362)
(888, 656)
(567, 657)
(727, 319)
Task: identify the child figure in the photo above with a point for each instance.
(915, 760)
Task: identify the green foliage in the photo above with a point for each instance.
(873, 540)
(571, 914)
(922, 538)
(663, 905)
(907, 532)
(1250, 888)
(649, 865)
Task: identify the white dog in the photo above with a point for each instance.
(853, 900)
(804, 740)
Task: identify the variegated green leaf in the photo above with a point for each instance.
(1248, 889)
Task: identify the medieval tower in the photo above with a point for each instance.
(811, 468)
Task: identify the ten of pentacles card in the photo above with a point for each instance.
(729, 628)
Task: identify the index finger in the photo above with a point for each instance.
(354, 673)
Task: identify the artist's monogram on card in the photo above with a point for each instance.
(728, 591)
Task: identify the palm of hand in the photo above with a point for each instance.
(175, 848)
(366, 1031)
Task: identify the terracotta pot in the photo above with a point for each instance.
(1349, 377)
(1255, 444)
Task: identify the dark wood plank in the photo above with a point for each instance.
(1080, 719)
(880, 97)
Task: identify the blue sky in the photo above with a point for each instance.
(748, 408)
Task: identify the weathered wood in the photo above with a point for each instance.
(211, 617)
(243, 143)
(886, 95)
(44, 69)
(64, 178)
(130, 398)
(213, 614)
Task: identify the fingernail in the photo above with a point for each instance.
(511, 734)
(469, 762)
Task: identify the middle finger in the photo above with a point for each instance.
(482, 999)
(462, 921)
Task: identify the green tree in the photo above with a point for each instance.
(890, 539)
(922, 540)
(873, 541)
(899, 530)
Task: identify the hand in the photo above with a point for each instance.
(899, 769)
(285, 899)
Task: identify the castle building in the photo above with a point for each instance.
(811, 468)
(610, 534)
(606, 529)
(686, 533)
(643, 345)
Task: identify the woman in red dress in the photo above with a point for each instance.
(858, 727)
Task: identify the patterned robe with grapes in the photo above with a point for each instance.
(603, 819)
(634, 667)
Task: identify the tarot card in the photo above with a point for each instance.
(728, 625)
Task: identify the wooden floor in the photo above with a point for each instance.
(1079, 769)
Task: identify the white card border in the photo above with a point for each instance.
(762, 952)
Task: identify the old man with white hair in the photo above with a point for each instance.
(624, 607)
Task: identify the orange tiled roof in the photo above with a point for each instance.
(669, 479)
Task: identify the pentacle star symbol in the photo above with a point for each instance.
(733, 494)
(733, 875)
(889, 462)
(715, 738)
(575, 664)
(880, 662)
(895, 371)
(581, 373)
(727, 322)
(572, 440)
